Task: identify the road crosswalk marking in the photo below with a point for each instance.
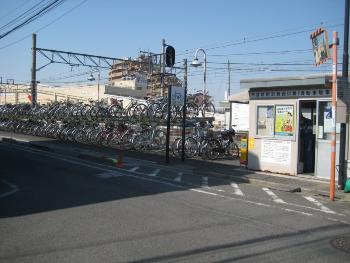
(274, 197)
(318, 204)
(134, 169)
(178, 178)
(205, 181)
(236, 189)
(107, 175)
(155, 172)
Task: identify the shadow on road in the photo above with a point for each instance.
(47, 184)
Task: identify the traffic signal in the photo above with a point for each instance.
(169, 56)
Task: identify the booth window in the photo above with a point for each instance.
(325, 122)
(265, 123)
(275, 120)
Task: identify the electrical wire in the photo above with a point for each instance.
(256, 39)
(43, 27)
(44, 10)
(15, 9)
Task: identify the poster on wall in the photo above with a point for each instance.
(284, 120)
(278, 152)
(240, 116)
(265, 121)
(327, 119)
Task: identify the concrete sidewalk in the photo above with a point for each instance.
(225, 169)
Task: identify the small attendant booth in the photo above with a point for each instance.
(290, 125)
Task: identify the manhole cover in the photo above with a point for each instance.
(342, 243)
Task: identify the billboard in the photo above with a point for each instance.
(320, 46)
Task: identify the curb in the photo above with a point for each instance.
(103, 159)
(40, 147)
(9, 140)
(295, 188)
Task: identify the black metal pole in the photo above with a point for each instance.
(33, 82)
(184, 113)
(342, 143)
(168, 126)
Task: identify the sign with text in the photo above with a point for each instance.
(177, 96)
(284, 121)
(277, 152)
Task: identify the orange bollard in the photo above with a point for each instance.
(120, 159)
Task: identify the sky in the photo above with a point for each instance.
(258, 37)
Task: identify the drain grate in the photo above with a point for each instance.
(342, 243)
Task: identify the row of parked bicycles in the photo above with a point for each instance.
(135, 111)
(99, 124)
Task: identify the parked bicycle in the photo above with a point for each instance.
(224, 144)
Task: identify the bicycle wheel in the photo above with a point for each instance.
(192, 110)
(191, 147)
(174, 147)
(208, 110)
(137, 142)
(159, 138)
(126, 140)
(232, 150)
(212, 149)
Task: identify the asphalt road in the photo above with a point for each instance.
(54, 208)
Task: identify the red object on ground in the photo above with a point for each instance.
(120, 159)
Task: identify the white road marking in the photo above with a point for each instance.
(297, 211)
(204, 192)
(134, 169)
(155, 172)
(107, 175)
(139, 175)
(14, 188)
(205, 182)
(236, 189)
(178, 178)
(318, 204)
(274, 197)
(337, 220)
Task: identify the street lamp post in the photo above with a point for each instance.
(196, 63)
(92, 78)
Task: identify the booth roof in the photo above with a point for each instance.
(240, 97)
(311, 80)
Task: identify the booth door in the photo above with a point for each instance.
(323, 140)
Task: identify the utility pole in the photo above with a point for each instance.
(229, 78)
(334, 106)
(342, 143)
(184, 113)
(229, 93)
(33, 82)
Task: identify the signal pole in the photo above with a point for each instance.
(162, 67)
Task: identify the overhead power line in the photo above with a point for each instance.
(45, 26)
(42, 11)
(23, 2)
(256, 39)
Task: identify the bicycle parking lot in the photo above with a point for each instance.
(139, 125)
